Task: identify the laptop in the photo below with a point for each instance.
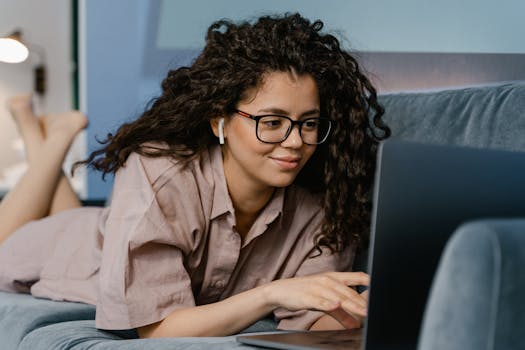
(422, 194)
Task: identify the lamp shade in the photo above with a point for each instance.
(12, 50)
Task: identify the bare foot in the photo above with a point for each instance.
(28, 124)
(20, 103)
(67, 124)
(21, 108)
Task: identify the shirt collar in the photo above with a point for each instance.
(222, 202)
(268, 215)
(221, 198)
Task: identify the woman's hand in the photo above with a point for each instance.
(329, 292)
(347, 319)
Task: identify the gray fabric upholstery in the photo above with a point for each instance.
(30, 323)
(485, 116)
(21, 313)
(476, 301)
(82, 335)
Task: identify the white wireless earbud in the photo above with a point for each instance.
(221, 131)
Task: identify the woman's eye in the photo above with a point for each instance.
(272, 123)
(311, 124)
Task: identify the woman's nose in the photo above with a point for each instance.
(294, 139)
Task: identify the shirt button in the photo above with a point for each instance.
(219, 284)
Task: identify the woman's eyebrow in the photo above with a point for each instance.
(279, 111)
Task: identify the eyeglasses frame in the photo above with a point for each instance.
(299, 123)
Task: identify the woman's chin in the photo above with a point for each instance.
(283, 181)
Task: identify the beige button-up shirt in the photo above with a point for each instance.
(168, 240)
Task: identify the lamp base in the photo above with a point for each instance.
(40, 79)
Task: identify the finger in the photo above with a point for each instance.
(351, 306)
(351, 278)
(325, 304)
(320, 297)
(336, 292)
(330, 294)
(344, 292)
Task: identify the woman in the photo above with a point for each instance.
(241, 191)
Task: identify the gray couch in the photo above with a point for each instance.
(476, 300)
(485, 116)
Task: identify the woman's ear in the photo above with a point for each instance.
(217, 126)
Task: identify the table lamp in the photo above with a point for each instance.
(13, 49)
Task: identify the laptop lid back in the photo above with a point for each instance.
(422, 194)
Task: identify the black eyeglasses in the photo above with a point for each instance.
(271, 128)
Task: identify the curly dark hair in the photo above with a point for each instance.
(235, 58)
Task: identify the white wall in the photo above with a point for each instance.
(47, 24)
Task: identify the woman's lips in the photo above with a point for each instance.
(289, 163)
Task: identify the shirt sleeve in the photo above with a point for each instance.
(142, 273)
(313, 264)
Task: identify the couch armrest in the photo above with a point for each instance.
(476, 301)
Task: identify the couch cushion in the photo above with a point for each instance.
(476, 301)
(22, 313)
(491, 116)
(31, 323)
(82, 335)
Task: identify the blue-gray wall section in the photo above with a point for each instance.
(123, 72)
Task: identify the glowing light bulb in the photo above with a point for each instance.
(12, 51)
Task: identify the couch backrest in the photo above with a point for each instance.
(491, 116)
